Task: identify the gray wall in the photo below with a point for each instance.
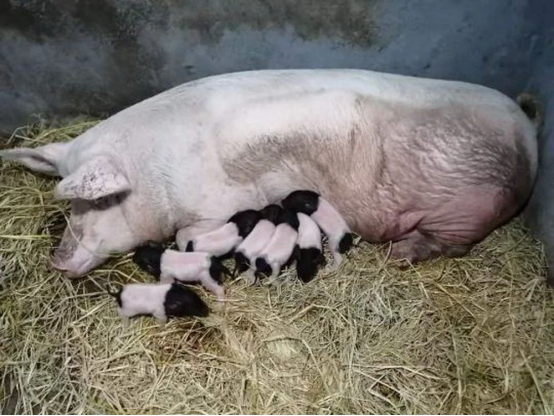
(68, 57)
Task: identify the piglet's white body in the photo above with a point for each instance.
(309, 234)
(279, 249)
(144, 299)
(253, 245)
(218, 242)
(333, 225)
(189, 267)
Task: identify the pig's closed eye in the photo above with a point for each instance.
(106, 202)
(101, 203)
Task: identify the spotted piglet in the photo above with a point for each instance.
(223, 240)
(247, 251)
(280, 249)
(309, 254)
(169, 265)
(327, 218)
(162, 301)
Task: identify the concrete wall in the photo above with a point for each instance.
(97, 56)
(68, 57)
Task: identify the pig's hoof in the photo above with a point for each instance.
(403, 264)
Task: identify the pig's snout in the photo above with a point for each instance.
(64, 268)
(71, 258)
(78, 265)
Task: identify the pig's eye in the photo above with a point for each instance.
(102, 203)
(107, 201)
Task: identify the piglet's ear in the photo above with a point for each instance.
(95, 179)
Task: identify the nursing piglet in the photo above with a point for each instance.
(309, 254)
(280, 248)
(170, 265)
(327, 218)
(223, 240)
(162, 301)
(247, 251)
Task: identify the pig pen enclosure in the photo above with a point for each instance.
(468, 335)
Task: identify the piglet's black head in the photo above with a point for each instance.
(289, 217)
(345, 243)
(246, 221)
(272, 213)
(306, 202)
(182, 301)
(308, 262)
(217, 270)
(149, 258)
(262, 267)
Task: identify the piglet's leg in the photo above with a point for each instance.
(250, 276)
(275, 270)
(160, 316)
(167, 278)
(335, 264)
(124, 320)
(212, 286)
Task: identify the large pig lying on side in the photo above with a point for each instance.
(432, 165)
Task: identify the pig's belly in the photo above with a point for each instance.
(452, 172)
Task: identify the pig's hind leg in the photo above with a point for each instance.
(451, 229)
(417, 247)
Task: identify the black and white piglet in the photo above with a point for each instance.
(162, 301)
(169, 265)
(309, 255)
(279, 251)
(327, 218)
(223, 240)
(247, 251)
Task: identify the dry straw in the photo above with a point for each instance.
(470, 335)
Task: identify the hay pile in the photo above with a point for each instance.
(471, 335)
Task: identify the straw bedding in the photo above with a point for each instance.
(469, 335)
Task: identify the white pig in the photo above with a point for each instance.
(431, 165)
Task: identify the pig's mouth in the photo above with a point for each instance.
(77, 269)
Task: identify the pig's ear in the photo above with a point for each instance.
(44, 159)
(95, 179)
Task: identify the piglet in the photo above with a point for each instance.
(162, 301)
(309, 255)
(170, 265)
(327, 218)
(280, 249)
(247, 251)
(223, 240)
